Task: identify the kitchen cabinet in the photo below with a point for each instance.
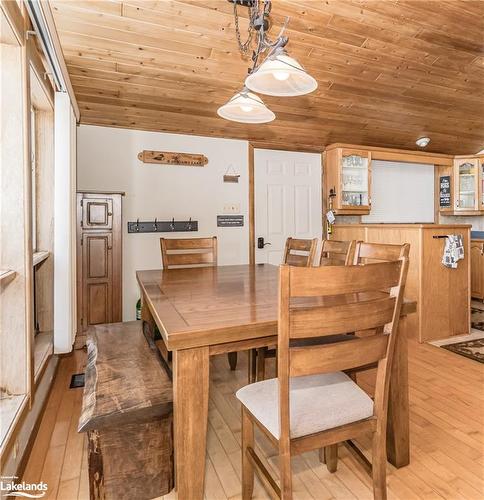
(466, 186)
(477, 269)
(442, 294)
(466, 179)
(480, 160)
(347, 180)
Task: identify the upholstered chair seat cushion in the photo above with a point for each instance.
(317, 403)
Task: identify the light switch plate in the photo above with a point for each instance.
(232, 208)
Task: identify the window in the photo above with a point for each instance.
(42, 210)
(34, 173)
(14, 329)
(401, 192)
(26, 225)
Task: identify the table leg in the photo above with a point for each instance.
(398, 442)
(190, 409)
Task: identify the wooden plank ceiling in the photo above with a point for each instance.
(388, 71)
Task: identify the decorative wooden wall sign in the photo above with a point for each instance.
(168, 158)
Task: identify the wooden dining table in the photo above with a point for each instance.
(202, 312)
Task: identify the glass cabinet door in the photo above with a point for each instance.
(467, 176)
(481, 173)
(355, 180)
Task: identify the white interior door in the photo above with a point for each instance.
(287, 200)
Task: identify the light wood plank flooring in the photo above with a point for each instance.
(447, 445)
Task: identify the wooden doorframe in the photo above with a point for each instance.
(251, 205)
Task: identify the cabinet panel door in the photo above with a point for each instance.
(97, 213)
(477, 269)
(97, 270)
(481, 183)
(466, 182)
(355, 180)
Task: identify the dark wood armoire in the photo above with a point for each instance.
(99, 258)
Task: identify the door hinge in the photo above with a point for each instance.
(82, 321)
(82, 242)
(82, 223)
(82, 202)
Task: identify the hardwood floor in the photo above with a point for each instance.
(447, 443)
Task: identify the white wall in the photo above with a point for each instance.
(107, 160)
(477, 221)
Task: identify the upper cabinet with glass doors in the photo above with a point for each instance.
(348, 181)
(481, 182)
(468, 184)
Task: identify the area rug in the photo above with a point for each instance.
(473, 349)
(477, 318)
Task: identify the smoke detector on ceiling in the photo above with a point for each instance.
(422, 142)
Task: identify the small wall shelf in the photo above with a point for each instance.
(39, 257)
(6, 275)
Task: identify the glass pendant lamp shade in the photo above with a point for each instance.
(281, 75)
(246, 107)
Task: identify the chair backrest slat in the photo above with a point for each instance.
(342, 318)
(297, 260)
(337, 253)
(299, 245)
(182, 252)
(336, 280)
(371, 252)
(188, 243)
(338, 356)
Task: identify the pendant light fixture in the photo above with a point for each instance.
(281, 75)
(277, 75)
(246, 107)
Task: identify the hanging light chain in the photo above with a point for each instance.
(257, 22)
(245, 46)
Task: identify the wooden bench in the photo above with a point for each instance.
(127, 411)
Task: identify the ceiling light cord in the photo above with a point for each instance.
(244, 93)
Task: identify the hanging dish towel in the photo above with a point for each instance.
(453, 250)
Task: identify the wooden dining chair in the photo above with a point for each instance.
(177, 253)
(333, 253)
(299, 252)
(337, 253)
(313, 403)
(185, 252)
(304, 258)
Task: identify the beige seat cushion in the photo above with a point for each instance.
(317, 403)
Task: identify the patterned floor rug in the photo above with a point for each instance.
(473, 349)
(477, 318)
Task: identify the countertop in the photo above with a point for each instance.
(419, 226)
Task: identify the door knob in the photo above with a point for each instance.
(260, 243)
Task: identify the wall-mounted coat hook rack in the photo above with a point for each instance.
(156, 226)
